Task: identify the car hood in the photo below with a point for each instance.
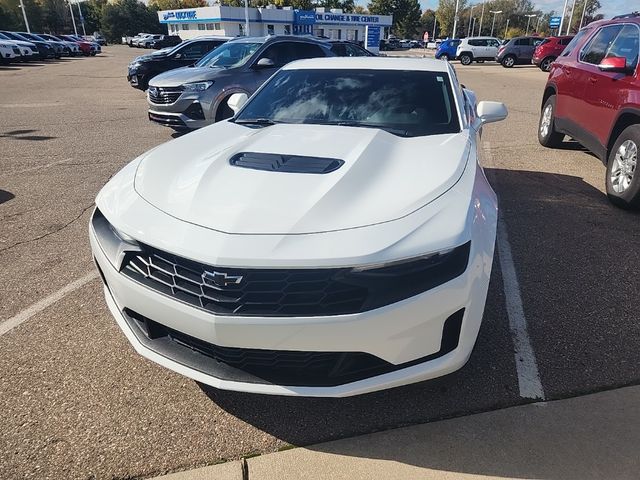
(19, 42)
(180, 76)
(384, 177)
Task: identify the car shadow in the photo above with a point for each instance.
(6, 196)
(23, 135)
(556, 225)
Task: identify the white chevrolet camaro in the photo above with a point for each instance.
(334, 237)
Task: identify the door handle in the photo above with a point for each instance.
(593, 79)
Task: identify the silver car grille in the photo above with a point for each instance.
(164, 95)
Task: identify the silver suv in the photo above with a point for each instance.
(477, 49)
(196, 96)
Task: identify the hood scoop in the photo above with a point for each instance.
(274, 162)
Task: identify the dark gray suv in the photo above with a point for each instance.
(193, 97)
(518, 51)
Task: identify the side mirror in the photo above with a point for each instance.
(264, 63)
(177, 56)
(615, 65)
(489, 112)
(236, 101)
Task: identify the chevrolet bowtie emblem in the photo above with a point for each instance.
(220, 279)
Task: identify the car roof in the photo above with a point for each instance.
(273, 38)
(627, 18)
(481, 38)
(370, 63)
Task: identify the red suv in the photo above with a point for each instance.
(593, 95)
(550, 49)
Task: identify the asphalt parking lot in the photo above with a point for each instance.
(78, 402)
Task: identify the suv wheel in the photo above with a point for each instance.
(623, 182)
(466, 59)
(545, 65)
(444, 57)
(547, 135)
(508, 61)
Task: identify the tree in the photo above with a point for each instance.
(406, 15)
(426, 21)
(361, 10)
(128, 17)
(177, 4)
(54, 14)
(445, 15)
(590, 14)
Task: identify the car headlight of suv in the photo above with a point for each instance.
(197, 86)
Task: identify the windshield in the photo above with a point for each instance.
(232, 54)
(405, 103)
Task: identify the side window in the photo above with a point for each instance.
(278, 52)
(194, 51)
(475, 43)
(212, 45)
(522, 41)
(353, 51)
(492, 43)
(565, 41)
(627, 45)
(596, 49)
(339, 49)
(301, 50)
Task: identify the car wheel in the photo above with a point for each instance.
(224, 111)
(444, 57)
(466, 59)
(545, 65)
(508, 61)
(547, 135)
(623, 180)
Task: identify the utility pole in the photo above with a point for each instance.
(564, 12)
(470, 20)
(506, 29)
(493, 24)
(481, 17)
(529, 17)
(455, 20)
(538, 24)
(246, 17)
(435, 22)
(75, 30)
(584, 9)
(573, 7)
(24, 14)
(81, 19)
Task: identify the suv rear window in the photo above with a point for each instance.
(478, 43)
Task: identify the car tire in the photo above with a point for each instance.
(547, 134)
(224, 110)
(623, 179)
(444, 57)
(466, 59)
(545, 64)
(508, 61)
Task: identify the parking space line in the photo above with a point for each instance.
(529, 382)
(37, 307)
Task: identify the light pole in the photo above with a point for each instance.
(506, 29)
(573, 7)
(493, 24)
(75, 30)
(24, 14)
(584, 10)
(538, 24)
(564, 12)
(481, 17)
(529, 17)
(470, 20)
(455, 19)
(246, 17)
(435, 22)
(81, 19)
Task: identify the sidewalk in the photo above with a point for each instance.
(590, 437)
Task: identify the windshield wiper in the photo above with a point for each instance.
(352, 123)
(256, 121)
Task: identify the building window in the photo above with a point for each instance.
(201, 26)
(287, 29)
(185, 26)
(241, 28)
(271, 30)
(217, 26)
(210, 26)
(320, 32)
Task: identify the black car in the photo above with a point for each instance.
(145, 67)
(166, 41)
(45, 49)
(343, 48)
(517, 51)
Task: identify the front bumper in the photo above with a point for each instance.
(423, 337)
(190, 110)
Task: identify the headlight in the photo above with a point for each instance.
(4, 45)
(197, 86)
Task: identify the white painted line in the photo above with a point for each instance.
(37, 307)
(526, 365)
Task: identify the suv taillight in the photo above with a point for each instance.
(501, 49)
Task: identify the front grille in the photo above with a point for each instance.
(164, 95)
(265, 292)
(281, 367)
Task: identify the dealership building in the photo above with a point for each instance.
(230, 21)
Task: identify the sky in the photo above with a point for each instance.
(609, 7)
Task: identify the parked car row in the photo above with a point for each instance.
(189, 85)
(153, 40)
(23, 46)
(523, 50)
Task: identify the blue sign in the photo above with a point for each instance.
(181, 15)
(554, 22)
(304, 17)
(373, 37)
